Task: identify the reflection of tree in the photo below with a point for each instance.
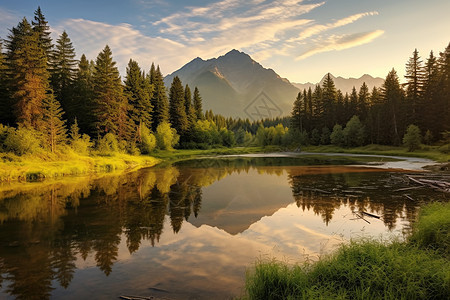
(375, 192)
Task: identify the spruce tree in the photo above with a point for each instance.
(177, 107)
(414, 88)
(138, 91)
(159, 98)
(83, 95)
(5, 102)
(297, 113)
(40, 26)
(363, 101)
(28, 75)
(111, 108)
(393, 96)
(53, 126)
(190, 110)
(443, 102)
(431, 95)
(353, 104)
(63, 71)
(329, 102)
(198, 104)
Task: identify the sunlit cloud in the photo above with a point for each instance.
(341, 42)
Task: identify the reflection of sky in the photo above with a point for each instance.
(209, 262)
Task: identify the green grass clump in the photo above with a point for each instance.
(416, 269)
(433, 229)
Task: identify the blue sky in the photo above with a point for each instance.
(300, 40)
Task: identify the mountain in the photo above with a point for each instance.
(346, 84)
(235, 85)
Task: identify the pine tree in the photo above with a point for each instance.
(414, 87)
(198, 104)
(353, 104)
(177, 108)
(53, 127)
(329, 102)
(28, 75)
(430, 95)
(63, 71)
(83, 93)
(111, 108)
(159, 98)
(443, 102)
(138, 91)
(297, 113)
(5, 101)
(40, 26)
(363, 102)
(190, 110)
(393, 96)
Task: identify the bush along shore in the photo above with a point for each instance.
(417, 268)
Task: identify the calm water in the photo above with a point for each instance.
(190, 230)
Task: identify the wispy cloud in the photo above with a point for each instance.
(341, 42)
(8, 19)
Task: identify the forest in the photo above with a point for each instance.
(51, 102)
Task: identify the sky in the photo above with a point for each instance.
(300, 40)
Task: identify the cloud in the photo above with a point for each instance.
(341, 42)
(8, 19)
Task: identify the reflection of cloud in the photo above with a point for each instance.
(341, 42)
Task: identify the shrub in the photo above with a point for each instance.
(412, 138)
(23, 141)
(108, 144)
(166, 137)
(82, 145)
(337, 136)
(148, 140)
(354, 132)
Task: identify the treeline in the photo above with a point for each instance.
(380, 116)
(49, 100)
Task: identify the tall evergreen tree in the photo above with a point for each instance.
(443, 102)
(190, 110)
(363, 101)
(159, 98)
(177, 107)
(111, 107)
(63, 71)
(28, 78)
(297, 113)
(138, 91)
(393, 96)
(5, 102)
(198, 105)
(414, 88)
(353, 104)
(53, 126)
(83, 95)
(430, 96)
(40, 26)
(329, 102)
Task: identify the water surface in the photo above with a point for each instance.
(190, 230)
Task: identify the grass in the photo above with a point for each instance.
(418, 268)
(47, 165)
(430, 152)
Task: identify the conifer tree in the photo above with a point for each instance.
(40, 26)
(414, 87)
(159, 98)
(83, 93)
(177, 107)
(111, 107)
(198, 104)
(53, 126)
(353, 104)
(443, 102)
(363, 99)
(5, 102)
(329, 101)
(393, 96)
(297, 113)
(28, 74)
(190, 110)
(63, 71)
(138, 91)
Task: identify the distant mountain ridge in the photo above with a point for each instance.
(235, 85)
(346, 84)
(232, 84)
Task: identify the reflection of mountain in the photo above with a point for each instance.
(44, 229)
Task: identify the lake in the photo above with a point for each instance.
(190, 230)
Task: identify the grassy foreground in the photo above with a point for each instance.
(47, 165)
(416, 269)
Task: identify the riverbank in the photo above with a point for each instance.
(53, 166)
(417, 268)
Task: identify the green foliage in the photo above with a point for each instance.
(53, 126)
(177, 107)
(432, 230)
(159, 98)
(412, 138)
(315, 137)
(325, 137)
(23, 141)
(354, 132)
(82, 145)
(166, 136)
(148, 140)
(198, 104)
(416, 269)
(337, 136)
(227, 137)
(428, 138)
(108, 144)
